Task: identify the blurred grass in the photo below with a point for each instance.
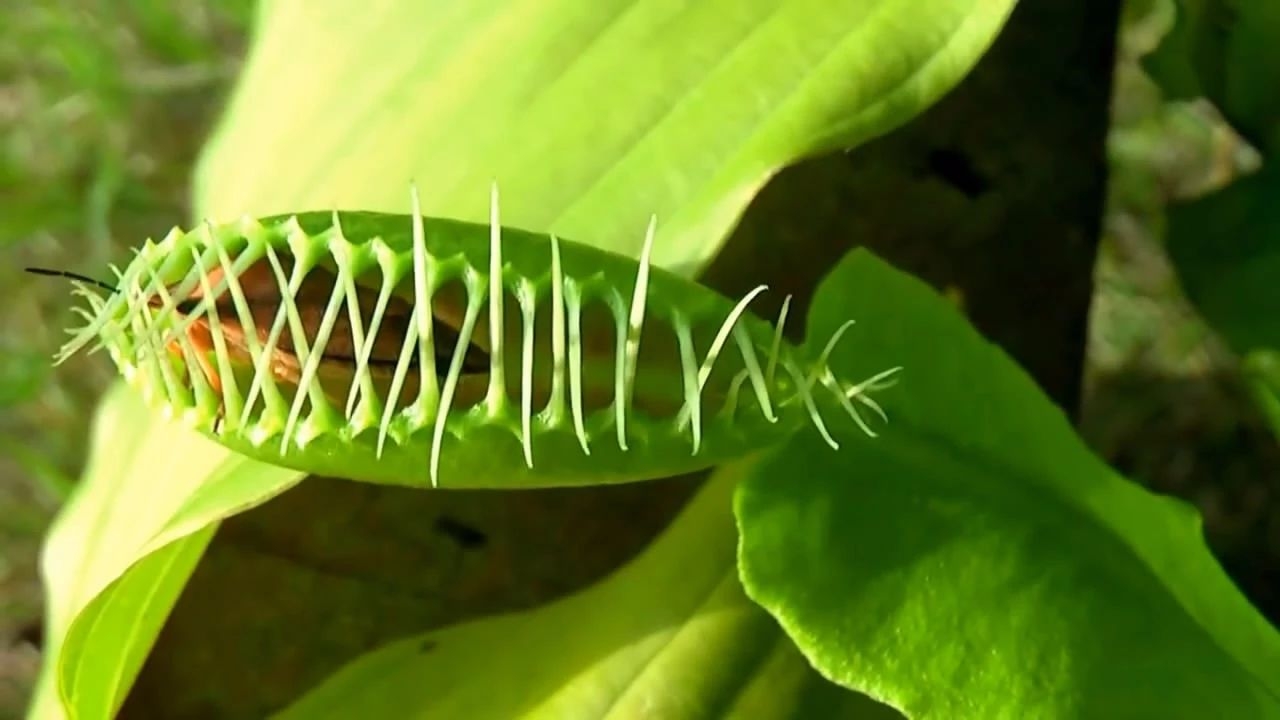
(104, 105)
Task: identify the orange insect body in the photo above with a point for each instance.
(261, 291)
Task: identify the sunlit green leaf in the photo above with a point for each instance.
(976, 560)
(591, 115)
(122, 549)
(669, 636)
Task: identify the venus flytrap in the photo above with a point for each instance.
(409, 350)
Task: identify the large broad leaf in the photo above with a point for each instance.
(121, 551)
(1229, 52)
(670, 635)
(590, 115)
(976, 560)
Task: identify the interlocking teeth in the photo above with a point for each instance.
(194, 284)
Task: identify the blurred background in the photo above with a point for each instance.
(104, 106)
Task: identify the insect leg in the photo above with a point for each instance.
(201, 341)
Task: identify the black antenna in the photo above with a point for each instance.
(72, 276)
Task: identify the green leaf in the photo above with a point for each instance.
(591, 115)
(1226, 246)
(976, 560)
(107, 643)
(122, 549)
(670, 635)
(1228, 52)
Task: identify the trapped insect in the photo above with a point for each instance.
(412, 350)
